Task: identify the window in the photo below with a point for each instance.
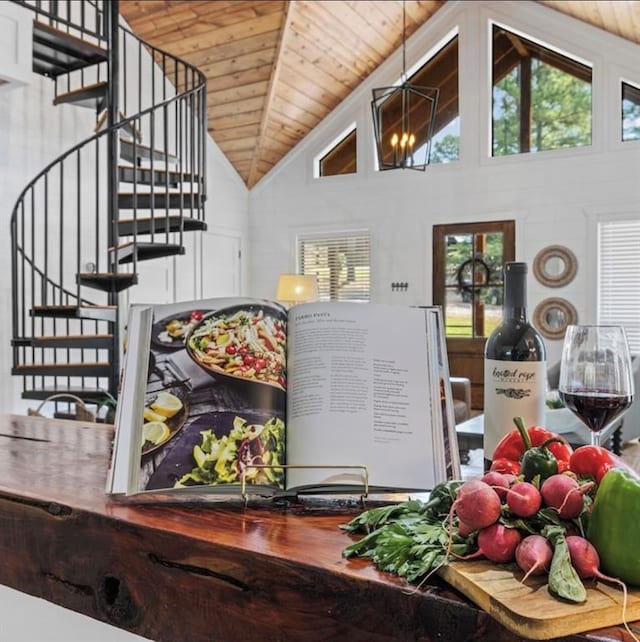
(440, 71)
(341, 158)
(619, 277)
(341, 262)
(630, 112)
(541, 99)
(467, 275)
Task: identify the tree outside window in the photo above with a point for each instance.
(541, 98)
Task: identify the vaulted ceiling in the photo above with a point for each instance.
(276, 68)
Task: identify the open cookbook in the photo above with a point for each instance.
(245, 397)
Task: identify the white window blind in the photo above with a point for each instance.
(341, 262)
(619, 277)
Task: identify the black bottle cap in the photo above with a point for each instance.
(516, 267)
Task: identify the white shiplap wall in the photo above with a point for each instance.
(551, 195)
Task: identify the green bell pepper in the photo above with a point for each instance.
(537, 461)
(614, 525)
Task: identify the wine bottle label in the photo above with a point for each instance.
(511, 389)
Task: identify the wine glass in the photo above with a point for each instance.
(596, 382)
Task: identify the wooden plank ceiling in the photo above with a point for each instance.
(276, 68)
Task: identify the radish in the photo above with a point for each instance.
(477, 504)
(524, 499)
(586, 561)
(498, 481)
(497, 543)
(563, 493)
(464, 529)
(533, 555)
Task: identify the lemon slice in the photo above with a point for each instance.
(167, 404)
(150, 415)
(155, 432)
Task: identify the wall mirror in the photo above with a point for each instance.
(552, 316)
(555, 266)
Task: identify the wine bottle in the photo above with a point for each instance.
(514, 366)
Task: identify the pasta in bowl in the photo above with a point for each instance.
(245, 342)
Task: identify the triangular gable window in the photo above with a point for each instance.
(630, 112)
(341, 157)
(541, 98)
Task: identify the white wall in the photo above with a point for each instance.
(555, 197)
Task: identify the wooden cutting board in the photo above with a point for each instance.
(529, 610)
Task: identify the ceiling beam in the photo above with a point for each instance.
(254, 172)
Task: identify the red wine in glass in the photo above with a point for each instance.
(596, 408)
(595, 375)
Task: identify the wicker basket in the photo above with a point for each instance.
(82, 412)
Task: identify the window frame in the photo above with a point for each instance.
(335, 141)
(492, 25)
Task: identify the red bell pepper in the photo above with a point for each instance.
(510, 449)
(504, 465)
(595, 462)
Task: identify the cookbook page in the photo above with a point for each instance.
(211, 397)
(360, 394)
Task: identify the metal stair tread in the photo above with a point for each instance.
(97, 312)
(56, 52)
(161, 177)
(92, 96)
(136, 153)
(107, 281)
(159, 200)
(82, 392)
(80, 369)
(65, 341)
(145, 251)
(159, 224)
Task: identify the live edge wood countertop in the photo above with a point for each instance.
(183, 573)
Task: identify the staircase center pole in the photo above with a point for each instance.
(113, 84)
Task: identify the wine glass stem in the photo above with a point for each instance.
(595, 438)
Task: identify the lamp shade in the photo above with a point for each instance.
(297, 288)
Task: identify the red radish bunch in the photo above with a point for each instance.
(480, 503)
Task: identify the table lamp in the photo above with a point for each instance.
(297, 288)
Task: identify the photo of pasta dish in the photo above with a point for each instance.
(245, 343)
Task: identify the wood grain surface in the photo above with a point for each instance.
(530, 610)
(193, 572)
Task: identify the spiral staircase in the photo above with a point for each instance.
(129, 192)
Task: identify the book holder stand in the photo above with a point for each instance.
(365, 475)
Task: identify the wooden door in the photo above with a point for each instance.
(468, 260)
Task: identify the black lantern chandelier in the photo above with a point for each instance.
(403, 120)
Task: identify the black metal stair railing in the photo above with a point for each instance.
(75, 243)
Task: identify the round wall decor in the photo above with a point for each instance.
(552, 316)
(555, 266)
